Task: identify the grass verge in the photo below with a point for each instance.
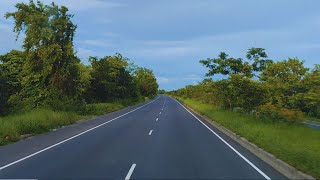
(295, 144)
(43, 120)
(33, 122)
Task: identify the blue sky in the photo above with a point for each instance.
(171, 36)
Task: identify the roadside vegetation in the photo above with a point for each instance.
(295, 144)
(264, 101)
(45, 85)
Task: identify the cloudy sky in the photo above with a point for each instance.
(171, 36)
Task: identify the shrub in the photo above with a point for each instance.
(270, 110)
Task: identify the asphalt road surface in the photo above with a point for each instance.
(158, 139)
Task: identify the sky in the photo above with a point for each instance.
(171, 36)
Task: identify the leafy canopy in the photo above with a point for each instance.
(50, 62)
(256, 62)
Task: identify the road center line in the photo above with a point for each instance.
(225, 142)
(130, 172)
(68, 139)
(150, 132)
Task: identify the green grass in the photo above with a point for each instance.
(33, 122)
(43, 120)
(313, 119)
(295, 144)
(102, 108)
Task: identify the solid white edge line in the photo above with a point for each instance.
(130, 172)
(150, 132)
(225, 142)
(68, 139)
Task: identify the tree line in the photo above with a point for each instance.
(279, 90)
(47, 72)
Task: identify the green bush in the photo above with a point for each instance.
(279, 113)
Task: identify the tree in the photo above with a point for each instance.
(146, 82)
(51, 66)
(4, 93)
(227, 66)
(223, 65)
(308, 100)
(10, 77)
(85, 79)
(258, 56)
(111, 79)
(284, 80)
(161, 91)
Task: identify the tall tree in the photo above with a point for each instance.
(51, 65)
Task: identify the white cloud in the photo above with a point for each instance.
(110, 34)
(162, 80)
(104, 21)
(163, 51)
(278, 41)
(84, 54)
(97, 43)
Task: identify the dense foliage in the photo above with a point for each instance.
(47, 73)
(282, 90)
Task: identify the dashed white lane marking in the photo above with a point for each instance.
(157, 119)
(225, 142)
(150, 132)
(130, 171)
(160, 112)
(68, 139)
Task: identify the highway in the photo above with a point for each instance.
(159, 139)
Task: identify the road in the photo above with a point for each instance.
(159, 139)
(313, 125)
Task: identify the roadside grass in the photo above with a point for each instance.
(34, 122)
(43, 120)
(102, 108)
(313, 119)
(295, 144)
